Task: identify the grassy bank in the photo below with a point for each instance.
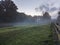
(35, 35)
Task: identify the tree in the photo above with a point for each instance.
(8, 11)
(46, 16)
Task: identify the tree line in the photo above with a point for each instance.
(8, 13)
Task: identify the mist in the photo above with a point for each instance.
(11, 17)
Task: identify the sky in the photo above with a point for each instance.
(28, 6)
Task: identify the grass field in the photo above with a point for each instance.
(25, 35)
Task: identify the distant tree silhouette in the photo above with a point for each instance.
(46, 16)
(21, 17)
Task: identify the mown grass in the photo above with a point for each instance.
(36, 35)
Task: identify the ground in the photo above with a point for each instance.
(26, 35)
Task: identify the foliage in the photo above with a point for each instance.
(8, 11)
(46, 16)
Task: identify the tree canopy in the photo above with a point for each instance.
(8, 11)
(46, 15)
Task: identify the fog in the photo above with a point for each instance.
(37, 22)
(9, 16)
